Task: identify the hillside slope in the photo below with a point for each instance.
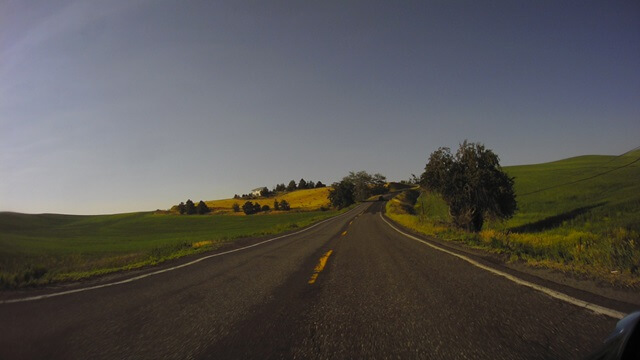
(596, 192)
(303, 200)
(579, 214)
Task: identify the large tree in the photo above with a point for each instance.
(342, 194)
(202, 208)
(365, 184)
(291, 186)
(472, 183)
(182, 208)
(190, 207)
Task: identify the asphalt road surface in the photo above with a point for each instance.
(349, 288)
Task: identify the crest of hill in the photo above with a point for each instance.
(605, 187)
(301, 200)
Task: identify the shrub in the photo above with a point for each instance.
(248, 208)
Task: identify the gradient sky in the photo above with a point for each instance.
(117, 106)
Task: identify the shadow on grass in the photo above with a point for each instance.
(553, 221)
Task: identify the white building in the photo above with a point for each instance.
(256, 191)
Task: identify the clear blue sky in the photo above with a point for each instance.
(116, 106)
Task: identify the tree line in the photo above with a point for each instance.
(189, 208)
(357, 186)
(292, 186)
(250, 208)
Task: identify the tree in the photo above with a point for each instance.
(291, 186)
(248, 208)
(276, 205)
(265, 192)
(182, 208)
(235, 207)
(311, 185)
(190, 207)
(472, 183)
(366, 185)
(265, 208)
(342, 194)
(302, 184)
(202, 208)
(281, 187)
(319, 184)
(284, 205)
(257, 207)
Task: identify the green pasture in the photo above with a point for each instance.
(36, 249)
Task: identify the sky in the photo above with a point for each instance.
(120, 106)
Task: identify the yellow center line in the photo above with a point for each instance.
(344, 233)
(320, 267)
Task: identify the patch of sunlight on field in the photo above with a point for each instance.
(303, 200)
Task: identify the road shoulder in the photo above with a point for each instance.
(584, 289)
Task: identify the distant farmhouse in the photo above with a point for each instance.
(257, 191)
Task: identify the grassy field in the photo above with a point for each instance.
(38, 249)
(580, 214)
(304, 200)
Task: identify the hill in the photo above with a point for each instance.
(598, 192)
(301, 200)
(580, 214)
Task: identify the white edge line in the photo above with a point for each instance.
(555, 294)
(135, 278)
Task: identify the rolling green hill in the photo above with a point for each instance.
(599, 193)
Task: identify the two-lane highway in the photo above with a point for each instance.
(351, 287)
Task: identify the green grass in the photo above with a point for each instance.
(580, 214)
(38, 249)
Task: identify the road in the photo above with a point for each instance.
(349, 288)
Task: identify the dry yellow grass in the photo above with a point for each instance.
(304, 200)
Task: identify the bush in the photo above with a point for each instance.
(235, 207)
(248, 208)
(284, 205)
